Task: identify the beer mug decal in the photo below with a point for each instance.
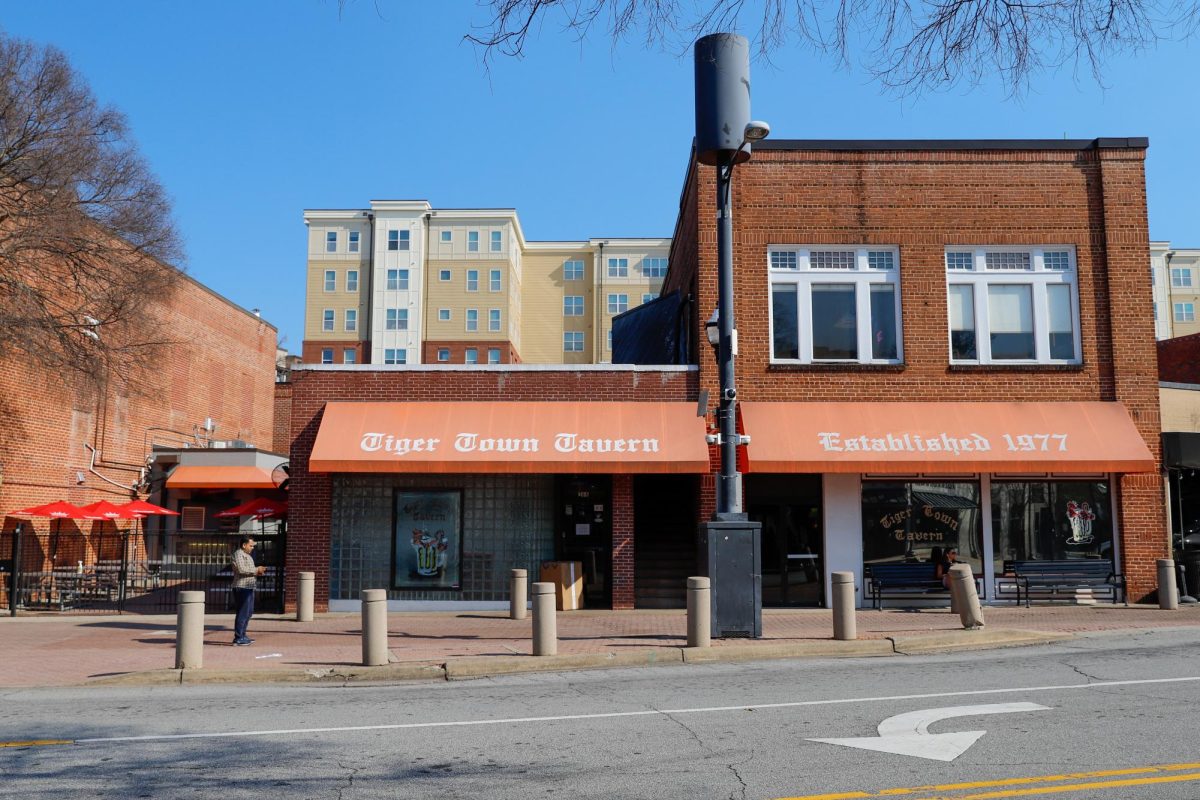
(431, 551)
(1080, 516)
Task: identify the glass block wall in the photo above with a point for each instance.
(507, 524)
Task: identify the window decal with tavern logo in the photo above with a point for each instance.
(427, 551)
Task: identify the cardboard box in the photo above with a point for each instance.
(567, 577)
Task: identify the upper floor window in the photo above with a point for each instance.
(494, 280)
(331, 242)
(327, 319)
(443, 354)
(351, 319)
(618, 303)
(472, 319)
(646, 298)
(395, 355)
(397, 280)
(1185, 312)
(572, 270)
(1181, 276)
(396, 319)
(398, 240)
(330, 280)
(573, 306)
(351, 280)
(352, 242)
(618, 267)
(609, 346)
(446, 237)
(471, 355)
(349, 356)
(493, 355)
(1013, 305)
(327, 355)
(654, 267)
(835, 303)
(472, 280)
(573, 341)
(494, 319)
(443, 315)
(443, 275)
(472, 241)
(495, 241)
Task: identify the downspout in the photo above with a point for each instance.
(368, 346)
(426, 282)
(597, 316)
(1170, 304)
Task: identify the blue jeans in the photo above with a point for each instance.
(244, 598)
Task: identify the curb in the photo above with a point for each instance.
(831, 648)
(983, 639)
(487, 666)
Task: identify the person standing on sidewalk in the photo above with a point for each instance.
(245, 576)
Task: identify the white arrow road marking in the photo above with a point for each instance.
(908, 734)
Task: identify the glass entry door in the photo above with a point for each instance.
(789, 508)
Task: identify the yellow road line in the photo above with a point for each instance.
(37, 742)
(1026, 781)
(1074, 787)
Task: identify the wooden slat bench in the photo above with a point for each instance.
(906, 579)
(1054, 576)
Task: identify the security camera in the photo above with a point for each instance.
(80, 478)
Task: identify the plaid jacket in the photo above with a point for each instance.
(243, 570)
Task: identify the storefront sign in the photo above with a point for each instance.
(836, 442)
(471, 442)
(427, 551)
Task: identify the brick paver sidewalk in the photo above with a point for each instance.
(65, 650)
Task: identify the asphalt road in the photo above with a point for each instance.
(1104, 717)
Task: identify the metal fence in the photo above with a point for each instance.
(119, 571)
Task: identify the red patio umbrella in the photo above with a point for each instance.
(106, 511)
(59, 509)
(140, 508)
(259, 507)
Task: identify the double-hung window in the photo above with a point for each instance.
(1181, 276)
(573, 305)
(471, 355)
(493, 319)
(495, 240)
(618, 268)
(397, 280)
(327, 319)
(351, 280)
(331, 280)
(1013, 305)
(396, 319)
(472, 280)
(472, 319)
(493, 355)
(351, 319)
(349, 356)
(331, 242)
(353, 241)
(835, 303)
(472, 241)
(494, 280)
(572, 270)
(327, 355)
(618, 303)
(1185, 312)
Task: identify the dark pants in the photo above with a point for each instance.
(244, 598)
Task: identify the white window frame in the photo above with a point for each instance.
(472, 323)
(326, 355)
(351, 280)
(446, 237)
(328, 319)
(393, 240)
(444, 315)
(331, 280)
(1180, 273)
(444, 275)
(573, 305)
(659, 269)
(349, 355)
(616, 301)
(472, 280)
(331, 240)
(804, 276)
(495, 280)
(398, 282)
(1184, 312)
(472, 241)
(352, 240)
(350, 319)
(1037, 276)
(400, 321)
(618, 267)
(443, 354)
(493, 355)
(572, 341)
(496, 242)
(395, 355)
(572, 270)
(493, 319)
(471, 355)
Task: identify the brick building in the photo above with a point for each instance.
(941, 344)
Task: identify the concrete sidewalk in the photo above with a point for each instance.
(134, 649)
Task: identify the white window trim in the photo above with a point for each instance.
(494, 312)
(498, 283)
(445, 275)
(573, 309)
(496, 242)
(979, 277)
(352, 244)
(467, 355)
(862, 276)
(471, 272)
(1181, 272)
(617, 266)
(472, 243)
(614, 300)
(467, 322)
(330, 285)
(572, 276)
(449, 315)
(333, 242)
(346, 323)
(328, 319)
(490, 351)
(1180, 309)
(325, 350)
(350, 272)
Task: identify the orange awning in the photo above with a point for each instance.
(897, 438)
(191, 476)
(533, 437)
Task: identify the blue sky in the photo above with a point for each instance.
(250, 112)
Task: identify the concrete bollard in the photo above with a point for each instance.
(374, 628)
(545, 624)
(1168, 596)
(845, 625)
(189, 631)
(699, 612)
(518, 592)
(304, 597)
(962, 584)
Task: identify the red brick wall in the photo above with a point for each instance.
(310, 351)
(281, 431)
(622, 542)
(458, 351)
(1179, 359)
(922, 201)
(310, 497)
(220, 364)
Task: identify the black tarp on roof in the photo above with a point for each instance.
(651, 334)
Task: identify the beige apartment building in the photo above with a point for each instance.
(404, 283)
(1175, 272)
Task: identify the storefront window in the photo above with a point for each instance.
(1050, 520)
(914, 522)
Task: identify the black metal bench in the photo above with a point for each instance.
(908, 579)
(1055, 576)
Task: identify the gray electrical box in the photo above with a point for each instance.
(731, 559)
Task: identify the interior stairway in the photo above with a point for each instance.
(664, 555)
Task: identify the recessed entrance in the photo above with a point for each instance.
(789, 508)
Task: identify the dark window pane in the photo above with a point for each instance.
(784, 336)
(1051, 521)
(834, 322)
(904, 521)
(883, 322)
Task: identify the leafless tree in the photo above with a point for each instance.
(908, 45)
(86, 238)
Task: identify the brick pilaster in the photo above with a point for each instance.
(622, 542)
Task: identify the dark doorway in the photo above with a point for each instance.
(789, 508)
(664, 524)
(583, 532)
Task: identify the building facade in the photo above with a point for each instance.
(1176, 275)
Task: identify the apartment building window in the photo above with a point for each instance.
(609, 339)
(1181, 276)
(326, 355)
(352, 242)
(573, 341)
(654, 267)
(331, 242)
(444, 275)
(572, 270)
(446, 237)
(618, 303)
(472, 241)
(1185, 312)
(573, 305)
(833, 304)
(443, 354)
(327, 319)
(472, 280)
(618, 268)
(646, 298)
(397, 280)
(331, 280)
(351, 319)
(495, 241)
(349, 356)
(494, 319)
(396, 319)
(494, 281)
(351, 280)
(443, 315)
(1013, 305)
(493, 355)
(395, 355)
(472, 355)
(472, 319)
(398, 240)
